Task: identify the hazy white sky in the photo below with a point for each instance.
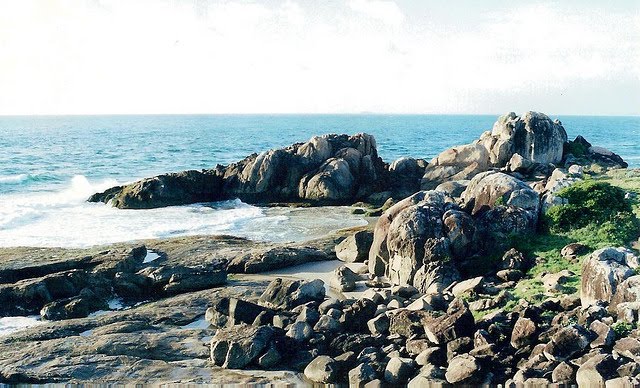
(342, 56)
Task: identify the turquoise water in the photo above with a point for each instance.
(50, 165)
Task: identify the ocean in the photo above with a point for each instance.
(49, 165)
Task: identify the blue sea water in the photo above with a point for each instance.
(50, 164)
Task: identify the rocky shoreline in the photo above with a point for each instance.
(476, 268)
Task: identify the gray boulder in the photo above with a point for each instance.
(457, 163)
(323, 370)
(287, 294)
(490, 189)
(237, 346)
(355, 248)
(534, 136)
(602, 272)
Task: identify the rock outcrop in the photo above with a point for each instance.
(424, 240)
(516, 142)
(326, 169)
(603, 272)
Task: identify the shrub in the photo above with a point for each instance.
(597, 214)
(622, 329)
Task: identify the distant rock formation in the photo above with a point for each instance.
(326, 169)
(533, 136)
(343, 169)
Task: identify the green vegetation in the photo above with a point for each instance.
(622, 329)
(576, 149)
(598, 215)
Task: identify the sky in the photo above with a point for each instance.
(308, 56)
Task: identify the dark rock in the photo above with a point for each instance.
(408, 323)
(459, 346)
(350, 342)
(329, 169)
(300, 331)
(237, 346)
(573, 250)
(567, 343)
(268, 259)
(432, 356)
(457, 322)
(361, 374)
(379, 325)
(237, 311)
(164, 190)
(524, 333)
(77, 307)
(355, 248)
(287, 294)
(327, 324)
(356, 316)
(270, 359)
(180, 278)
(399, 370)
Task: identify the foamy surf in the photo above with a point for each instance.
(65, 219)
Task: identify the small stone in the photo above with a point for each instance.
(563, 373)
(394, 304)
(420, 304)
(465, 286)
(379, 324)
(327, 323)
(606, 336)
(361, 374)
(463, 369)
(309, 315)
(331, 303)
(300, 331)
(524, 333)
(270, 359)
(459, 346)
(399, 370)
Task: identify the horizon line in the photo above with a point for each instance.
(364, 113)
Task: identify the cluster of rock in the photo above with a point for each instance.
(326, 169)
(398, 335)
(78, 286)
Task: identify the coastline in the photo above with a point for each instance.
(439, 286)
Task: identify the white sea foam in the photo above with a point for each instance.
(65, 219)
(13, 179)
(10, 325)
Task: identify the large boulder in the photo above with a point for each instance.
(534, 136)
(286, 294)
(457, 163)
(603, 271)
(405, 174)
(164, 190)
(379, 252)
(490, 189)
(237, 346)
(355, 248)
